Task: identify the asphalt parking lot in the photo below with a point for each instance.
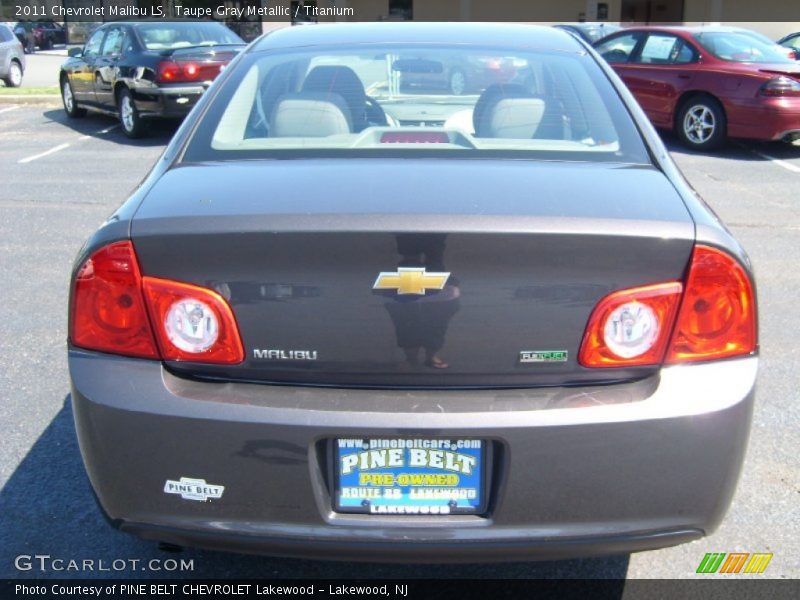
(61, 178)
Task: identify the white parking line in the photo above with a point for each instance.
(37, 156)
(781, 163)
(60, 147)
(106, 130)
(3, 110)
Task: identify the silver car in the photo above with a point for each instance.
(12, 57)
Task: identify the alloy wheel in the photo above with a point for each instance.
(15, 74)
(458, 82)
(66, 92)
(126, 112)
(699, 124)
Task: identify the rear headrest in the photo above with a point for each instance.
(333, 78)
(491, 96)
(516, 118)
(309, 115)
(341, 80)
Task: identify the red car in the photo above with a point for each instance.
(708, 83)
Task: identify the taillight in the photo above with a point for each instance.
(116, 310)
(169, 71)
(781, 86)
(717, 318)
(192, 323)
(713, 316)
(108, 311)
(631, 327)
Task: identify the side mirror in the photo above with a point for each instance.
(75, 52)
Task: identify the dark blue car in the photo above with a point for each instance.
(140, 70)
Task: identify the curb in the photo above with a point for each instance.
(53, 99)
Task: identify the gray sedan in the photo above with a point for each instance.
(350, 320)
(12, 57)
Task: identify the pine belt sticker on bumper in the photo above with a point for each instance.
(194, 489)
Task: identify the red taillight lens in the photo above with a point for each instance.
(169, 71)
(192, 323)
(717, 317)
(645, 326)
(108, 311)
(113, 308)
(191, 71)
(631, 327)
(781, 86)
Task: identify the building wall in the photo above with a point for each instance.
(441, 10)
(772, 14)
(485, 10)
(540, 10)
(367, 10)
(740, 10)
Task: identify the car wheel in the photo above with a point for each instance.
(68, 98)
(132, 124)
(458, 82)
(14, 76)
(701, 123)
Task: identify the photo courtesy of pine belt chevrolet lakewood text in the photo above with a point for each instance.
(354, 313)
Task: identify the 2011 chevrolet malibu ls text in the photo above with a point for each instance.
(347, 318)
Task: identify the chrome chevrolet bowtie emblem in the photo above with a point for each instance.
(411, 280)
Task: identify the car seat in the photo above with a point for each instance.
(341, 81)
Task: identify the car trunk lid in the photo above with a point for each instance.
(787, 70)
(522, 250)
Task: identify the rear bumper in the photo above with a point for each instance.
(440, 551)
(576, 471)
(167, 101)
(767, 119)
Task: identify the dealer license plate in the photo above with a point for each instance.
(396, 476)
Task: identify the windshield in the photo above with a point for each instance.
(168, 36)
(741, 47)
(417, 99)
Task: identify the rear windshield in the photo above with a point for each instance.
(417, 99)
(741, 47)
(168, 36)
